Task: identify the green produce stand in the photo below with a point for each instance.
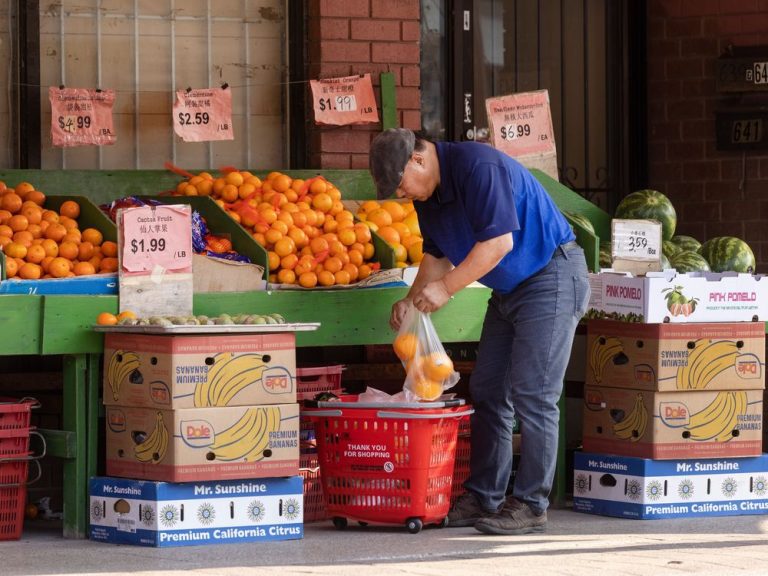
(62, 324)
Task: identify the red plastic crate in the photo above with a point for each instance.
(312, 381)
(387, 466)
(314, 502)
(15, 413)
(14, 463)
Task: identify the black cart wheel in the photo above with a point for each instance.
(339, 522)
(362, 523)
(414, 525)
(443, 523)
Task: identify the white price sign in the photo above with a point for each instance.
(638, 240)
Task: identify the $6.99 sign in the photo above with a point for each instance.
(155, 237)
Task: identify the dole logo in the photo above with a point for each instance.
(748, 366)
(196, 433)
(674, 414)
(277, 380)
(594, 400)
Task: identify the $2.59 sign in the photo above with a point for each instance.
(204, 114)
(155, 237)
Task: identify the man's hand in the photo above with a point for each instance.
(399, 309)
(432, 297)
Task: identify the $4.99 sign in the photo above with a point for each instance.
(81, 116)
(155, 237)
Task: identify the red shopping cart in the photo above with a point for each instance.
(388, 463)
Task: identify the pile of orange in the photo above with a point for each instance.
(43, 243)
(397, 223)
(311, 239)
(426, 371)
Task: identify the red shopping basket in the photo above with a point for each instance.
(14, 462)
(388, 463)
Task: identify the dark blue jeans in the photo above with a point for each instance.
(522, 356)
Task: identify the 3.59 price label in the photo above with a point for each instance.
(638, 240)
(521, 124)
(81, 116)
(155, 238)
(340, 101)
(203, 115)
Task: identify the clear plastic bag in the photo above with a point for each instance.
(429, 369)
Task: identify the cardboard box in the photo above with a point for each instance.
(671, 297)
(664, 357)
(673, 425)
(655, 489)
(94, 284)
(195, 371)
(194, 444)
(162, 514)
(210, 274)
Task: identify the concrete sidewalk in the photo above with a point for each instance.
(574, 544)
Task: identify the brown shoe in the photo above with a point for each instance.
(466, 511)
(513, 519)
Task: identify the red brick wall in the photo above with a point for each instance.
(685, 38)
(358, 37)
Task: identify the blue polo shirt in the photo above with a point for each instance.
(483, 194)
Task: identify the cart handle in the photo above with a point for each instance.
(414, 416)
(326, 413)
(28, 457)
(27, 482)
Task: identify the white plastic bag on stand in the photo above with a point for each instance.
(429, 370)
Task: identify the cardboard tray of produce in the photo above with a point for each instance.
(210, 329)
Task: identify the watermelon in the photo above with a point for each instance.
(581, 220)
(665, 264)
(669, 249)
(728, 253)
(689, 261)
(606, 259)
(688, 243)
(649, 205)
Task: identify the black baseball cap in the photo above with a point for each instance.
(390, 152)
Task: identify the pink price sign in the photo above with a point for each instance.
(521, 124)
(81, 116)
(341, 101)
(203, 115)
(156, 238)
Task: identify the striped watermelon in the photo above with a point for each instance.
(665, 264)
(688, 243)
(669, 249)
(688, 261)
(728, 253)
(580, 219)
(606, 259)
(649, 205)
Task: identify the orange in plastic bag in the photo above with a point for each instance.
(429, 370)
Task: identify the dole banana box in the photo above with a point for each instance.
(673, 425)
(182, 371)
(666, 357)
(671, 297)
(653, 489)
(164, 514)
(192, 444)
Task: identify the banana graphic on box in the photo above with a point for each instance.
(605, 349)
(247, 438)
(227, 376)
(633, 425)
(707, 360)
(122, 364)
(154, 447)
(717, 421)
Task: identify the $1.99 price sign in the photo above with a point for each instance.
(340, 101)
(636, 240)
(156, 238)
(203, 115)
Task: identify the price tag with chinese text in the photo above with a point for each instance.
(637, 241)
(521, 124)
(81, 116)
(348, 100)
(156, 238)
(204, 114)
